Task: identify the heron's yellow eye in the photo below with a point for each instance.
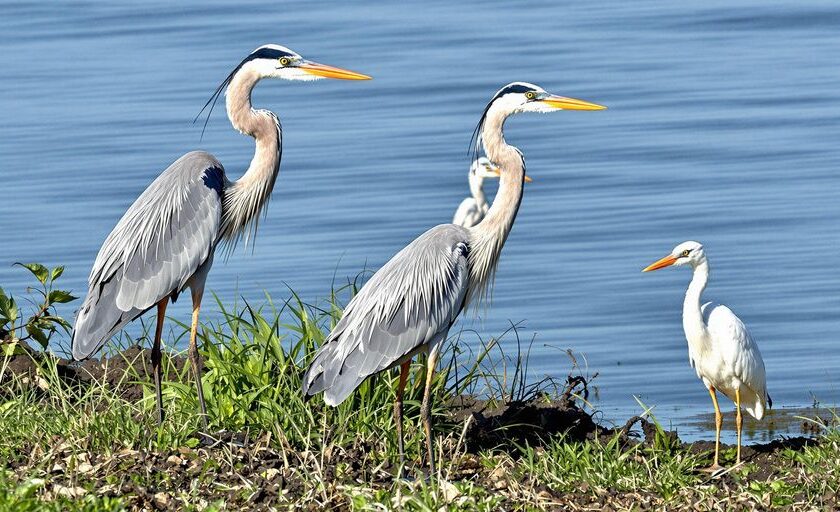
(530, 95)
(284, 61)
(685, 253)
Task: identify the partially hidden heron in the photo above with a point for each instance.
(720, 347)
(165, 241)
(409, 304)
(473, 209)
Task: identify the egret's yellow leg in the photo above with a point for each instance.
(156, 356)
(195, 359)
(425, 408)
(398, 410)
(738, 423)
(718, 425)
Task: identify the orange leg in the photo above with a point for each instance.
(739, 422)
(425, 408)
(195, 359)
(718, 425)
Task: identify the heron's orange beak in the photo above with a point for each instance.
(667, 261)
(314, 68)
(564, 103)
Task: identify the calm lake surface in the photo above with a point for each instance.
(723, 127)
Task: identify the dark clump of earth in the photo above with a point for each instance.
(125, 372)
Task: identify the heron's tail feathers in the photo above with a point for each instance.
(98, 319)
(334, 375)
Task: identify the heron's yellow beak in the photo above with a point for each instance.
(564, 103)
(497, 171)
(314, 68)
(667, 261)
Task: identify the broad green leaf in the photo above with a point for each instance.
(60, 296)
(9, 309)
(38, 335)
(12, 349)
(56, 273)
(38, 270)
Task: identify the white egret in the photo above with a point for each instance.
(473, 209)
(720, 347)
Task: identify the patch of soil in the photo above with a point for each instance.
(493, 425)
(125, 372)
(250, 473)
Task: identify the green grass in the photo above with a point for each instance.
(68, 447)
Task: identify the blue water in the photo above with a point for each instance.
(723, 127)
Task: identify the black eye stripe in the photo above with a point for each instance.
(267, 53)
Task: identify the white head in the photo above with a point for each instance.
(687, 253)
(275, 61)
(484, 168)
(519, 97)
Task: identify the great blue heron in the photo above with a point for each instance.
(165, 241)
(720, 347)
(473, 209)
(409, 305)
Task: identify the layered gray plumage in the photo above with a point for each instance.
(395, 314)
(164, 238)
(165, 241)
(410, 304)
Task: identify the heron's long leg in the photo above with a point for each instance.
(156, 356)
(195, 359)
(739, 422)
(398, 410)
(718, 425)
(425, 408)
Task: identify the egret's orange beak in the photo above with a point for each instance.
(496, 171)
(667, 261)
(314, 68)
(564, 103)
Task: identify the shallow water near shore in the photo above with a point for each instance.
(723, 127)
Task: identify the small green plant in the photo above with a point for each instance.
(43, 321)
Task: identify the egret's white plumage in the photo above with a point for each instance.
(473, 209)
(720, 347)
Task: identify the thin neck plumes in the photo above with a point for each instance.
(693, 323)
(488, 237)
(246, 198)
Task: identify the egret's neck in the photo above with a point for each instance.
(488, 237)
(246, 198)
(693, 323)
(477, 191)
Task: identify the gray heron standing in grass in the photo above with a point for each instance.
(409, 304)
(473, 208)
(720, 347)
(165, 242)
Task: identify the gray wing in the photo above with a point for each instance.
(159, 243)
(409, 303)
